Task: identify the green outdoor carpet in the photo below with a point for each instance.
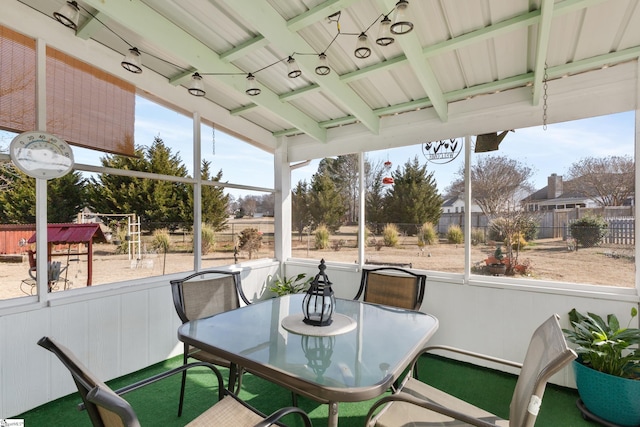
(157, 405)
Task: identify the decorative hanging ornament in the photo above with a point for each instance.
(387, 165)
(387, 180)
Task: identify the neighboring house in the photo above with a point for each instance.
(554, 197)
(455, 204)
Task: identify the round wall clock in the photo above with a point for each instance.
(41, 155)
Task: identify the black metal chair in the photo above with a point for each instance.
(393, 286)
(204, 294)
(106, 408)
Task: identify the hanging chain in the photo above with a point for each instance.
(545, 85)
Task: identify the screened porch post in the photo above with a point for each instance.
(282, 205)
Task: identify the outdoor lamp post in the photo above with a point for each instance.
(319, 302)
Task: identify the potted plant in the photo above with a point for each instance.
(495, 264)
(289, 285)
(608, 367)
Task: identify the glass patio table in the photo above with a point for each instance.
(355, 364)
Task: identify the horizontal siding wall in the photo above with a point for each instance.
(112, 331)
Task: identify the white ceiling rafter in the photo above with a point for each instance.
(272, 26)
(421, 67)
(540, 66)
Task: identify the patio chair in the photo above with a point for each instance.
(204, 294)
(425, 405)
(54, 278)
(107, 408)
(392, 286)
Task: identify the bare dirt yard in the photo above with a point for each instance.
(548, 259)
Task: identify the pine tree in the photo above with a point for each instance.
(214, 201)
(158, 203)
(300, 215)
(326, 204)
(414, 198)
(66, 196)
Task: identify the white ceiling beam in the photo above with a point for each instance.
(542, 44)
(160, 31)
(318, 13)
(268, 22)
(422, 69)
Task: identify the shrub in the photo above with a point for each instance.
(390, 235)
(477, 236)
(518, 241)
(208, 237)
(161, 240)
(454, 234)
(427, 234)
(250, 240)
(529, 228)
(588, 231)
(321, 237)
(337, 244)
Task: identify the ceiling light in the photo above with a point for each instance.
(196, 88)
(401, 25)
(252, 88)
(132, 61)
(68, 15)
(362, 47)
(384, 33)
(293, 69)
(323, 65)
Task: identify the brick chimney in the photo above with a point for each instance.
(554, 186)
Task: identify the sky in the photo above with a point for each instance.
(546, 151)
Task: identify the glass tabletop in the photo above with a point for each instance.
(356, 365)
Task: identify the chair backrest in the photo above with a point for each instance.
(206, 293)
(54, 268)
(547, 354)
(392, 286)
(84, 379)
(54, 271)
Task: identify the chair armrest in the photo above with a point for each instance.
(407, 398)
(166, 374)
(469, 353)
(273, 418)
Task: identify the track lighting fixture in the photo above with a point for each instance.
(68, 15)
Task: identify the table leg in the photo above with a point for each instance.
(233, 372)
(333, 415)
